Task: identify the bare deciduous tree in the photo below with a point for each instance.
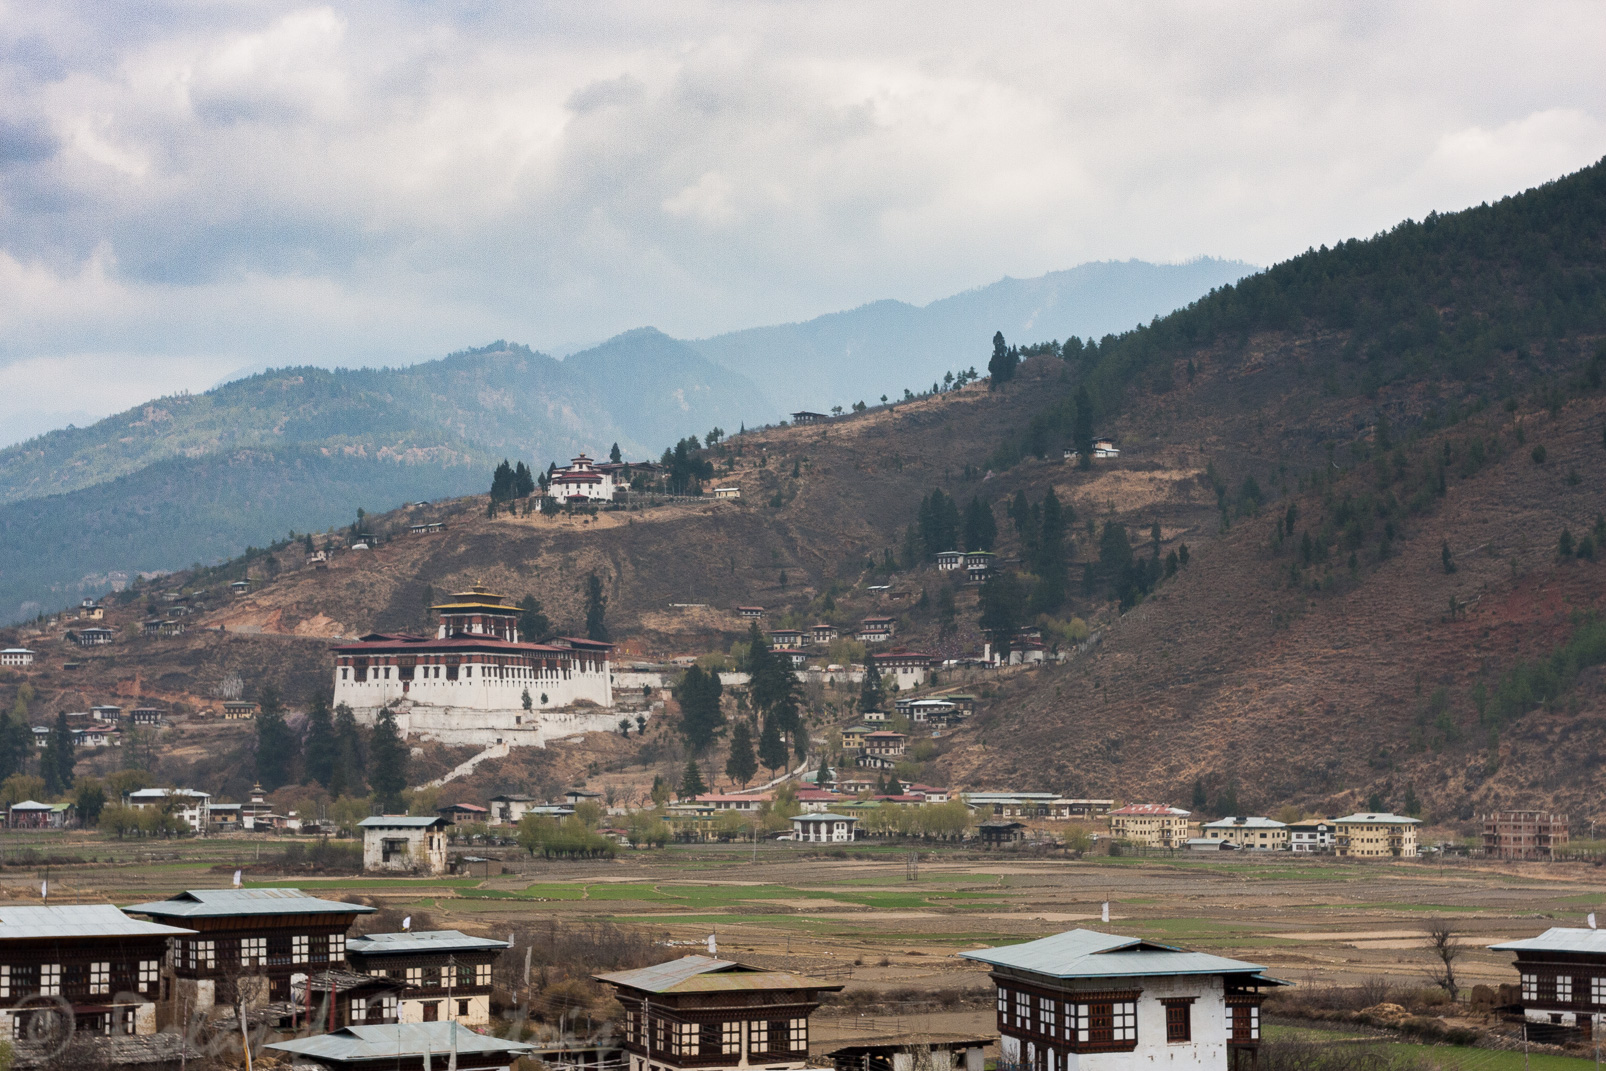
(1444, 942)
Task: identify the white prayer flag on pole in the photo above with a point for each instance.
(236, 879)
(1592, 920)
(713, 948)
(44, 893)
(407, 923)
(1104, 915)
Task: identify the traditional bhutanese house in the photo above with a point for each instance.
(909, 669)
(404, 843)
(240, 587)
(876, 630)
(91, 958)
(963, 700)
(851, 785)
(248, 946)
(929, 711)
(146, 716)
(795, 657)
(458, 813)
(16, 656)
(745, 802)
(1105, 448)
(93, 736)
(950, 560)
(509, 809)
(750, 613)
(410, 1047)
(447, 973)
(998, 832)
(190, 805)
(979, 565)
(822, 634)
(239, 709)
(817, 800)
(106, 712)
(93, 637)
(786, 637)
(1088, 1001)
(1313, 837)
(874, 718)
(853, 737)
(803, 416)
(699, 1012)
(427, 527)
(885, 743)
(927, 793)
(31, 814)
(727, 492)
(823, 827)
(329, 1000)
(1562, 974)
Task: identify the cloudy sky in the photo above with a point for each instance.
(192, 189)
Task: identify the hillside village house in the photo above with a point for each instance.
(853, 737)
(1371, 835)
(803, 416)
(147, 716)
(1311, 837)
(822, 634)
(106, 712)
(750, 613)
(91, 610)
(786, 637)
(727, 492)
(710, 1014)
(31, 814)
(823, 827)
(102, 965)
(1259, 834)
(467, 684)
(1530, 835)
(247, 946)
(188, 804)
(93, 637)
(460, 813)
(885, 744)
(508, 810)
(1153, 825)
(1105, 448)
(239, 710)
(1563, 979)
(906, 669)
(447, 973)
(979, 565)
(1089, 1001)
(744, 802)
(404, 842)
(876, 630)
(16, 656)
(950, 560)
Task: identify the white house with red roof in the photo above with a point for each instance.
(910, 669)
(583, 480)
(476, 682)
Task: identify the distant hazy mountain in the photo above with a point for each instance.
(196, 477)
(885, 346)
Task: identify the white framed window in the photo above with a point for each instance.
(359, 1009)
(1046, 1017)
(1124, 1020)
(387, 1007)
(687, 1038)
(100, 978)
(50, 979)
(253, 951)
(1003, 1002)
(337, 947)
(1076, 1018)
(415, 976)
(1564, 988)
(482, 974)
(149, 972)
(5, 979)
(1597, 990)
(1023, 1009)
(201, 954)
(1254, 1022)
(1530, 987)
(300, 947)
(630, 1025)
(730, 1039)
(799, 1030)
(758, 1036)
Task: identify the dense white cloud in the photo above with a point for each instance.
(191, 188)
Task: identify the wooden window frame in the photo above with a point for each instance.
(1178, 1019)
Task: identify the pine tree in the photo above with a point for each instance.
(523, 481)
(691, 782)
(614, 455)
(741, 766)
(771, 748)
(276, 744)
(824, 779)
(346, 773)
(534, 627)
(596, 607)
(320, 745)
(1003, 364)
(58, 760)
(1053, 576)
(981, 530)
(773, 686)
(504, 483)
(871, 694)
(1003, 607)
(388, 761)
(700, 717)
(894, 787)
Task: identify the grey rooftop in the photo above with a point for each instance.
(223, 903)
(1558, 939)
(402, 821)
(364, 1042)
(44, 921)
(421, 941)
(1090, 954)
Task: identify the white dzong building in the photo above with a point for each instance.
(468, 683)
(583, 479)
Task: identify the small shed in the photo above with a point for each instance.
(400, 842)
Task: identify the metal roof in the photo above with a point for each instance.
(402, 1039)
(421, 941)
(824, 817)
(222, 903)
(1246, 823)
(31, 805)
(402, 821)
(31, 922)
(704, 974)
(1379, 818)
(1090, 954)
(1559, 939)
